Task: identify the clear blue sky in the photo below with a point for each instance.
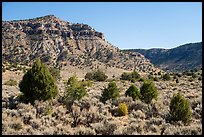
(127, 25)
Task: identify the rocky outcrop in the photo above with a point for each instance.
(59, 42)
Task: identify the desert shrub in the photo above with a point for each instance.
(166, 77)
(141, 80)
(122, 109)
(133, 92)
(111, 92)
(180, 108)
(159, 73)
(3, 69)
(55, 73)
(96, 75)
(89, 76)
(190, 79)
(148, 92)
(130, 76)
(200, 78)
(86, 83)
(74, 89)
(133, 80)
(177, 81)
(174, 76)
(194, 75)
(156, 79)
(38, 83)
(150, 77)
(125, 76)
(11, 82)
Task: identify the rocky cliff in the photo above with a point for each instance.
(59, 43)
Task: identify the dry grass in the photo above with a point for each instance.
(96, 118)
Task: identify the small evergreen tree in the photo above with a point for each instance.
(148, 92)
(133, 92)
(111, 92)
(180, 108)
(38, 84)
(74, 89)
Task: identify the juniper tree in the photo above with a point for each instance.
(38, 84)
(133, 92)
(180, 108)
(74, 89)
(111, 92)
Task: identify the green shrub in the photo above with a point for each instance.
(89, 76)
(111, 92)
(148, 92)
(11, 82)
(38, 83)
(159, 73)
(55, 73)
(133, 92)
(125, 76)
(87, 83)
(75, 89)
(96, 75)
(180, 108)
(166, 77)
(122, 109)
(130, 76)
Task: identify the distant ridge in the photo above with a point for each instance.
(181, 58)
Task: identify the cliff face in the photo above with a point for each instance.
(58, 43)
(181, 58)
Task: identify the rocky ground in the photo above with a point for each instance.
(95, 117)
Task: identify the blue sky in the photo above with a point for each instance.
(127, 25)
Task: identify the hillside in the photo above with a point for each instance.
(184, 57)
(60, 43)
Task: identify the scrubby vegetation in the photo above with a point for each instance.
(11, 82)
(122, 109)
(133, 92)
(111, 107)
(97, 75)
(148, 92)
(133, 76)
(166, 77)
(38, 84)
(55, 73)
(180, 108)
(111, 92)
(75, 89)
